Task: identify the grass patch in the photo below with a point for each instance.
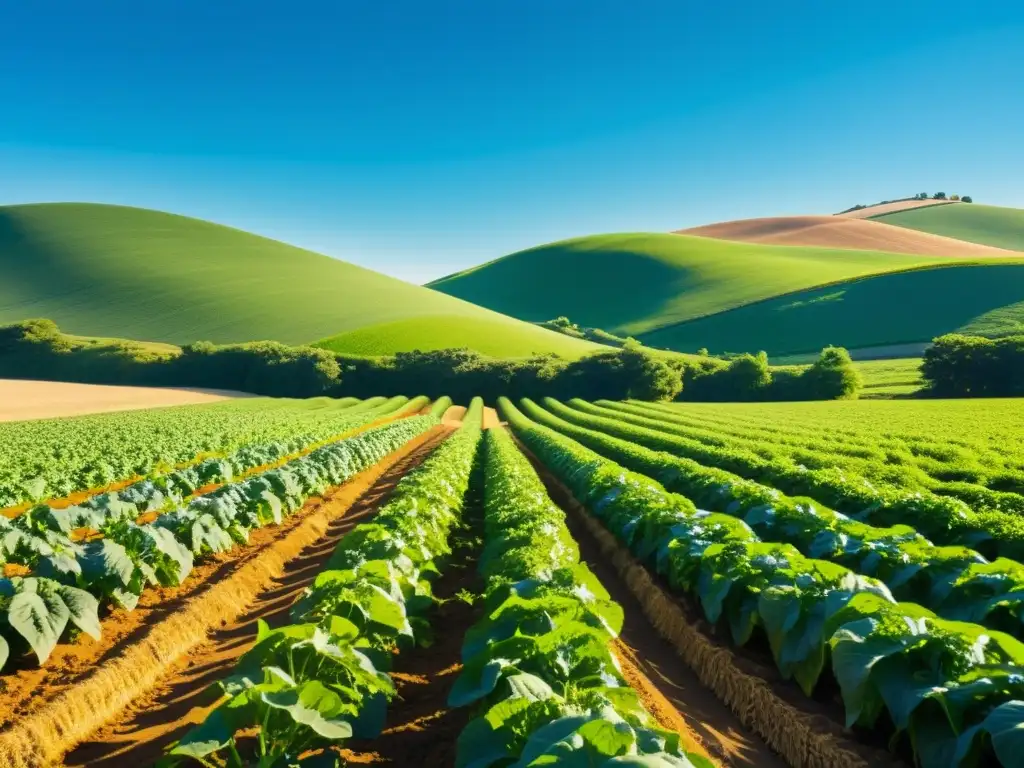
(631, 284)
(985, 224)
(900, 308)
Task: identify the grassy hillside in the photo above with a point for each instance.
(635, 283)
(498, 338)
(986, 224)
(882, 310)
(101, 270)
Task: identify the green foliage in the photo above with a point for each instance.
(539, 666)
(952, 687)
(971, 366)
(69, 579)
(53, 458)
(315, 683)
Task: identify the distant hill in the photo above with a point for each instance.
(901, 308)
(844, 232)
(986, 224)
(634, 283)
(112, 271)
(685, 292)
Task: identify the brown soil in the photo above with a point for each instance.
(48, 710)
(421, 729)
(23, 400)
(491, 418)
(902, 205)
(454, 415)
(842, 232)
(809, 732)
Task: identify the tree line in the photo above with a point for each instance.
(37, 349)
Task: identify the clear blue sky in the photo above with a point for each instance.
(419, 137)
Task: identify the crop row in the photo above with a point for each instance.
(955, 582)
(941, 519)
(941, 457)
(166, 488)
(539, 666)
(53, 458)
(953, 687)
(323, 679)
(958, 482)
(961, 477)
(72, 578)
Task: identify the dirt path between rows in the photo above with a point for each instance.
(669, 689)
(180, 701)
(421, 729)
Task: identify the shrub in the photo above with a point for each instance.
(966, 199)
(958, 365)
(832, 377)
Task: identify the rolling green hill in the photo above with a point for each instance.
(636, 283)
(986, 224)
(112, 271)
(898, 308)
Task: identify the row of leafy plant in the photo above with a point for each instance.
(310, 685)
(539, 668)
(953, 688)
(938, 451)
(943, 520)
(960, 474)
(956, 582)
(53, 458)
(166, 488)
(70, 580)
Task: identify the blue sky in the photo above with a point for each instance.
(419, 138)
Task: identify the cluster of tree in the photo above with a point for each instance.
(957, 365)
(565, 326)
(942, 196)
(749, 377)
(918, 196)
(37, 349)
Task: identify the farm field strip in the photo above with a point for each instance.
(934, 454)
(535, 699)
(942, 519)
(955, 582)
(75, 578)
(165, 487)
(930, 453)
(890, 657)
(55, 458)
(986, 421)
(123, 699)
(960, 481)
(322, 680)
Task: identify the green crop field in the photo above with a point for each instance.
(890, 378)
(870, 552)
(634, 283)
(111, 271)
(900, 308)
(985, 224)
